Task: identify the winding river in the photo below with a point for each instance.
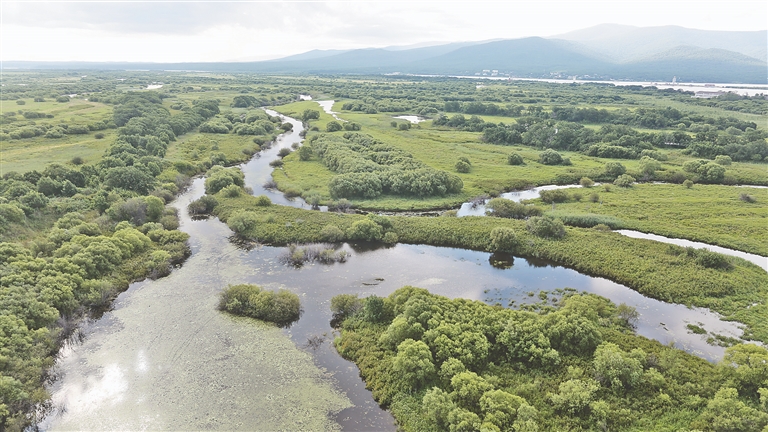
(165, 358)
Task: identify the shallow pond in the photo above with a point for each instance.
(411, 118)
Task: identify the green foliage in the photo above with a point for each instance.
(262, 201)
(554, 196)
(305, 152)
(462, 167)
(586, 220)
(614, 169)
(333, 126)
(725, 412)
(310, 114)
(243, 222)
(616, 368)
(649, 166)
(546, 226)
(218, 178)
(203, 205)
(550, 157)
(281, 307)
(586, 182)
(723, 160)
(413, 364)
(502, 207)
(745, 367)
(332, 234)
(515, 159)
(574, 396)
(624, 181)
(365, 230)
(368, 168)
(344, 306)
(375, 309)
(503, 239)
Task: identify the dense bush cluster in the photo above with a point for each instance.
(254, 122)
(282, 307)
(94, 229)
(621, 141)
(442, 364)
(367, 168)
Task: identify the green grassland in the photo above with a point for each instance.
(26, 154)
(441, 148)
(654, 269)
(711, 214)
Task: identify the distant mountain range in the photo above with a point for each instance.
(607, 51)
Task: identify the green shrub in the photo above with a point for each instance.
(218, 178)
(546, 226)
(366, 230)
(614, 169)
(723, 160)
(515, 159)
(586, 182)
(462, 167)
(203, 205)
(505, 208)
(503, 239)
(389, 238)
(282, 307)
(263, 201)
(345, 305)
(553, 196)
(333, 126)
(550, 157)
(688, 184)
(232, 191)
(242, 222)
(332, 234)
(624, 180)
(587, 220)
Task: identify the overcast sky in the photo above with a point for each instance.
(174, 31)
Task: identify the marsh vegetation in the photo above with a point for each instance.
(86, 179)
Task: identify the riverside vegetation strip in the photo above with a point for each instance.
(654, 269)
(61, 220)
(459, 365)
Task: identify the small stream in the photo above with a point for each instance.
(471, 209)
(165, 358)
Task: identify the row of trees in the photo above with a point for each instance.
(367, 168)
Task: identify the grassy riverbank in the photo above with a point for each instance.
(713, 214)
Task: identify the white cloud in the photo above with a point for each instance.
(225, 30)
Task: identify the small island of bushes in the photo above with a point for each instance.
(281, 307)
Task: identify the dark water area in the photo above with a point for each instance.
(164, 357)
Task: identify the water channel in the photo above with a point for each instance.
(165, 358)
